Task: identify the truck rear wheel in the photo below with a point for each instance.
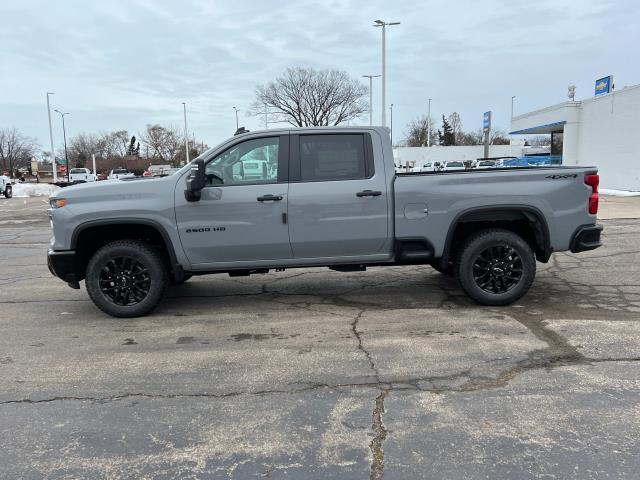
(495, 267)
(126, 278)
(8, 192)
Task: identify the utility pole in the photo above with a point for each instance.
(429, 124)
(64, 134)
(266, 118)
(53, 155)
(186, 134)
(511, 136)
(380, 23)
(371, 77)
(237, 126)
(391, 108)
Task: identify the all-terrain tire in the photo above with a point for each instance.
(495, 267)
(8, 192)
(144, 282)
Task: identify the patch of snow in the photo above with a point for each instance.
(619, 193)
(34, 189)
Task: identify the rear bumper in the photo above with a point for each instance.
(586, 237)
(63, 264)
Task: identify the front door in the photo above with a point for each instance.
(241, 215)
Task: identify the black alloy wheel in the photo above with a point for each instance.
(497, 269)
(125, 281)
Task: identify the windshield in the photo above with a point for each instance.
(77, 170)
(455, 164)
(120, 171)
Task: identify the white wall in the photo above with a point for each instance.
(610, 138)
(602, 131)
(439, 153)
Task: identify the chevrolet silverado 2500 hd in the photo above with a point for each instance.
(329, 197)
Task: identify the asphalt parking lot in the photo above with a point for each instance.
(314, 374)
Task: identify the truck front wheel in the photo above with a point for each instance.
(8, 192)
(495, 267)
(126, 278)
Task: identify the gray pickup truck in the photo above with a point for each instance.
(323, 197)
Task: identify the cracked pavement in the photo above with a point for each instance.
(314, 374)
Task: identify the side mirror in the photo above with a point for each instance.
(195, 182)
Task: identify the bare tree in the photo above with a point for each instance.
(456, 127)
(163, 143)
(418, 130)
(308, 97)
(16, 149)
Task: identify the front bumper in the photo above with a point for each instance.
(586, 237)
(64, 265)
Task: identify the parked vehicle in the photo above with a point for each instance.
(119, 174)
(453, 166)
(81, 175)
(335, 202)
(485, 164)
(6, 188)
(426, 167)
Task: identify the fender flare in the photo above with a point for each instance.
(530, 212)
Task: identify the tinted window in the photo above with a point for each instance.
(249, 162)
(332, 157)
(77, 170)
(455, 164)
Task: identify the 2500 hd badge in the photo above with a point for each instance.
(205, 229)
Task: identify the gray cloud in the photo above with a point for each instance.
(124, 64)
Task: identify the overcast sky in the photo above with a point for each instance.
(125, 64)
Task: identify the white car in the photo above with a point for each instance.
(120, 173)
(485, 164)
(5, 186)
(81, 175)
(426, 167)
(453, 166)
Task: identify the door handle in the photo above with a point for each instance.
(270, 198)
(369, 193)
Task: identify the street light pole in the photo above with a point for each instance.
(64, 135)
(391, 108)
(237, 126)
(380, 23)
(186, 133)
(429, 124)
(53, 155)
(371, 77)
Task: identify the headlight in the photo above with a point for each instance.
(57, 202)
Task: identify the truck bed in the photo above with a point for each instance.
(433, 201)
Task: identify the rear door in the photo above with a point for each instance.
(241, 216)
(338, 198)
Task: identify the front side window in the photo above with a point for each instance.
(250, 162)
(332, 157)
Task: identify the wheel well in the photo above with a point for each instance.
(529, 224)
(88, 240)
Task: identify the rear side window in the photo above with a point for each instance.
(332, 157)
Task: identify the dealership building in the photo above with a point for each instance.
(603, 131)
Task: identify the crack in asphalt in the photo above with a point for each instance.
(380, 435)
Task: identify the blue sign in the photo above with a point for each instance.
(604, 85)
(486, 121)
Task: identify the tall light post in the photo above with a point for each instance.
(371, 77)
(53, 155)
(513, 97)
(429, 124)
(64, 135)
(237, 126)
(383, 24)
(391, 108)
(186, 133)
